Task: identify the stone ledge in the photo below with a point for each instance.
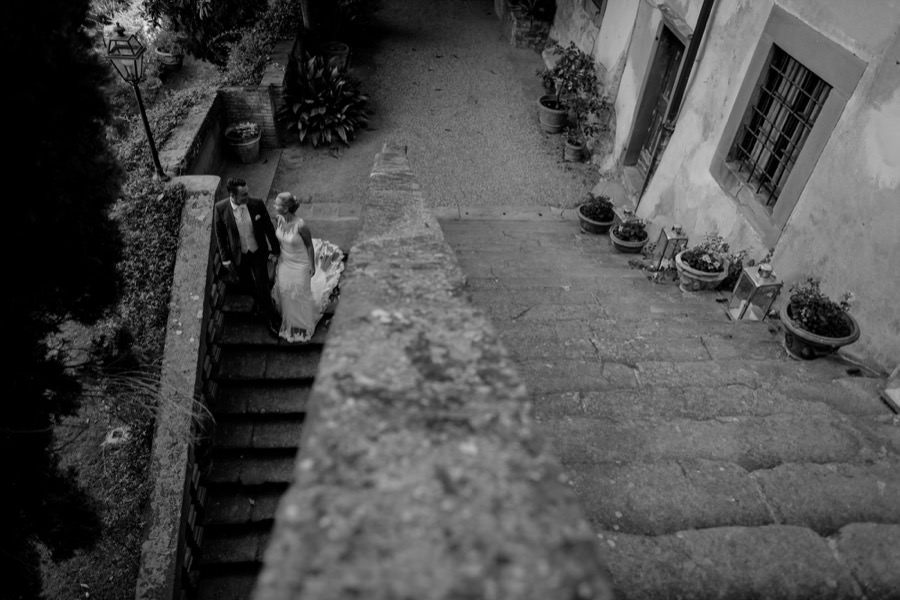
(420, 473)
(159, 572)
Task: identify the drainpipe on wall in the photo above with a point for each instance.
(678, 92)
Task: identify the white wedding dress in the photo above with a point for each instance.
(299, 299)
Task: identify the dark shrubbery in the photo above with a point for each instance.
(64, 268)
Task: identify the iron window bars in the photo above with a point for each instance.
(771, 136)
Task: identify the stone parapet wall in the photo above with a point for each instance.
(420, 472)
(172, 535)
(195, 147)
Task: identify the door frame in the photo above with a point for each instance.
(644, 106)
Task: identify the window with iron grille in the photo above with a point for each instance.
(788, 99)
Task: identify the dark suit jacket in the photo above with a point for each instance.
(228, 239)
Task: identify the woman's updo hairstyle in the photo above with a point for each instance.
(289, 201)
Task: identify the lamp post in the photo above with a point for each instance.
(126, 53)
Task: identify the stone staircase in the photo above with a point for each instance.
(710, 464)
(263, 388)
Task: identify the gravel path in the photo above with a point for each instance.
(444, 82)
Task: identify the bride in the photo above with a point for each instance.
(306, 273)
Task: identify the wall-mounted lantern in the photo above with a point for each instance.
(754, 293)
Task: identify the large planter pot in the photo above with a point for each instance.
(692, 280)
(589, 225)
(337, 54)
(169, 61)
(573, 152)
(804, 345)
(626, 246)
(245, 150)
(552, 119)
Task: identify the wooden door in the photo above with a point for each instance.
(658, 95)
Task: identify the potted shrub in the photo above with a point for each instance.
(169, 49)
(703, 266)
(630, 236)
(814, 324)
(573, 77)
(596, 214)
(243, 139)
(323, 104)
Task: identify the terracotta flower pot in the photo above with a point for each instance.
(552, 119)
(337, 54)
(169, 61)
(626, 246)
(693, 280)
(573, 152)
(804, 345)
(589, 225)
(245, 150)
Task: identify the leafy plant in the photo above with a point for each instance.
(708, 256)
(324, 105)
(574, 74)
(242, 132)
(815, 312)
(599, 208)
(632, 230)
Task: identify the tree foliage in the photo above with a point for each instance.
(64, 267)
(211, 25)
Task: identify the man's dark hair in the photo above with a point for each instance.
(233, 184)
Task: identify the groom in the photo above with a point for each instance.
(245, 238)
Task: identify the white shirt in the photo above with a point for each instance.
(244, 226)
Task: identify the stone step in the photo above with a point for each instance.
(737, 562)
(228, 586)
(239, 301)
(280, 397)
(750, 442)
(697, 403)
(826, 497)
(266, 432)
(242, 504)
(252, 467)
(269, 363)
(242, 330)
(227, 545)
(663, 497)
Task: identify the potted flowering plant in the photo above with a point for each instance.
(814, 324)
(630, 236)
(243, 139)
(703, 266)
(596, 214)
(573, 78)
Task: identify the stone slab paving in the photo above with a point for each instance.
(710, 464)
